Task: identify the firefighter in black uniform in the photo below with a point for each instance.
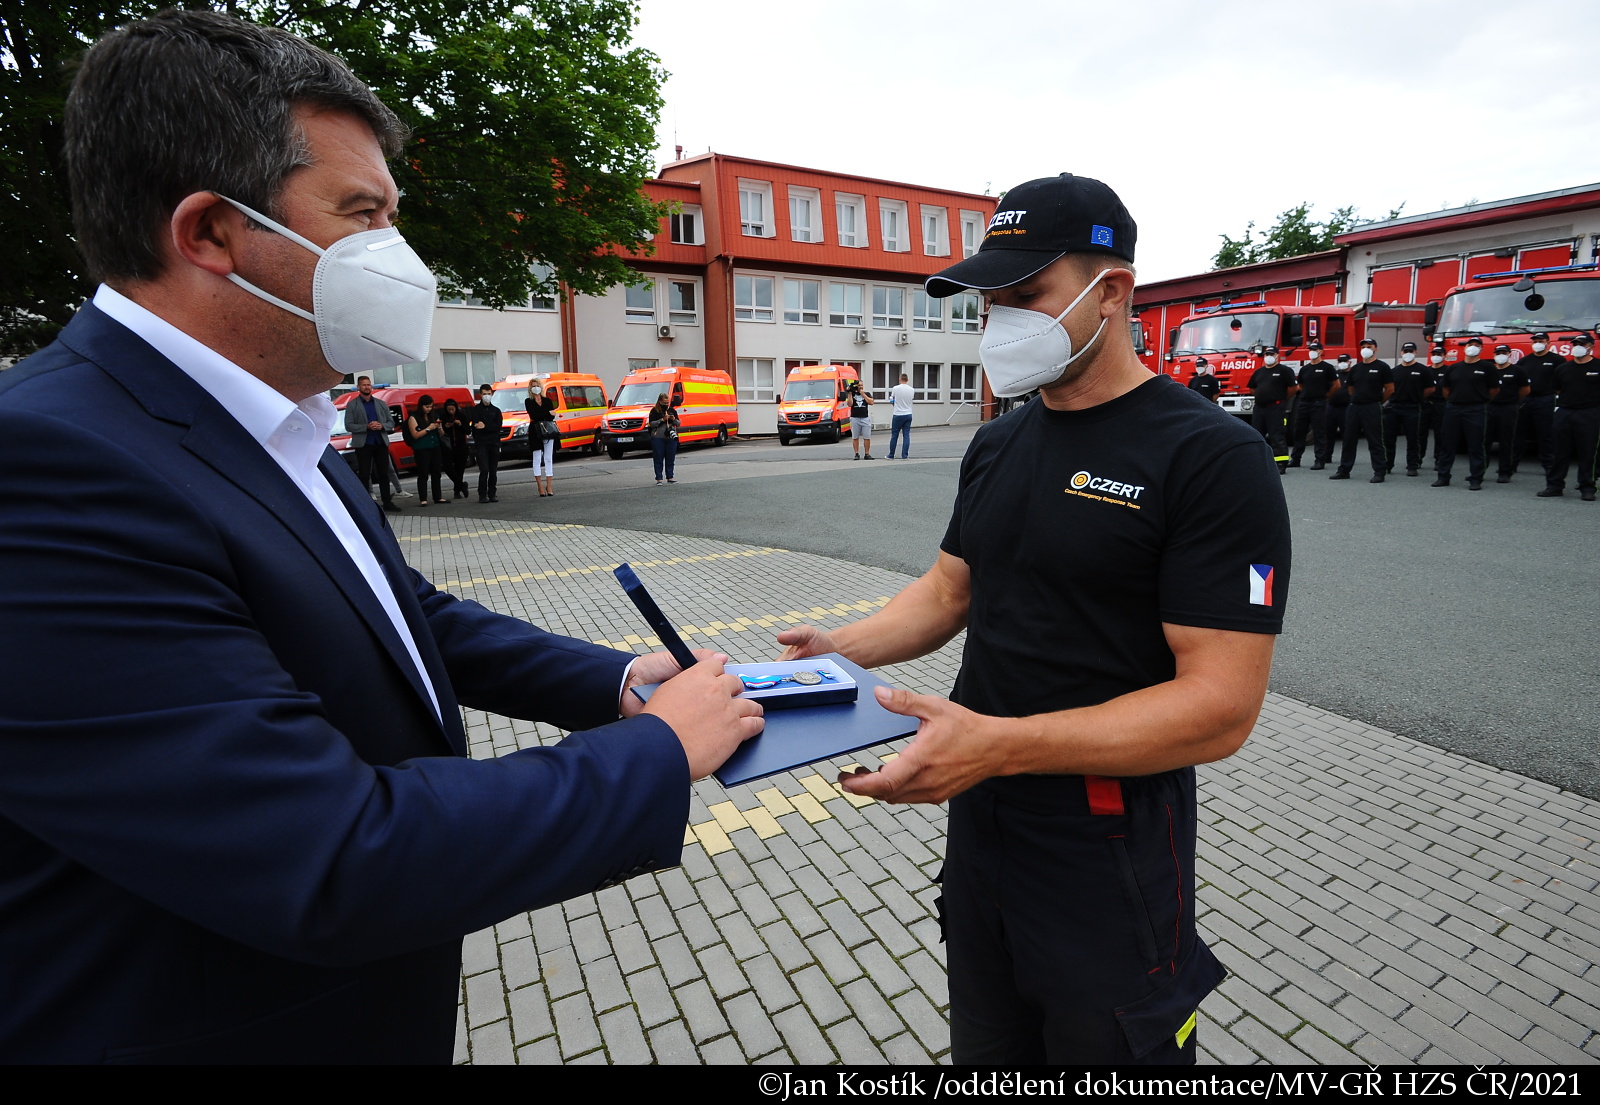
(1433, 410)
(1316, 379)
(1370, 383)
(1204, 382)
(1413, 383)
(1577, 421)
(1505, 410)
(1539, 408)
(1468, 385)
(1272, 384)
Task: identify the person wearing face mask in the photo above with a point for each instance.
(1468, 386)
(1204, 382)
(1433, 411)
(1539, 409)
(1316, 379)
(244, 828)
(1577, 420)
(1369, 383)
(1273, 385)
(1117, 556)
(1413, 383)
(1505, 410)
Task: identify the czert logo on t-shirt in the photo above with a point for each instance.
(1261, 584)
(1089, 482)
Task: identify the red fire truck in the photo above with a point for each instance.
(1510, 307)
(1231, 338)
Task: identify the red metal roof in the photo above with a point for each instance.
(1478, 214)
(1242, 278)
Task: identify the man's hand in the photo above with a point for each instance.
(703, 707)
(374, 425)
(656, 667)
(804, 641)
(954, 749)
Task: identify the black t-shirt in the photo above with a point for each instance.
(1438, 371)
(1316, 379)
(1410, 381)
(1469, 384)
(1541, 370)
(859, 407)
(490, 416)
(1086, 530)
(1579, 385)
(1207, 385)
(1271, 383)
(1341, 398)
(1367, 379)
(1512, 381)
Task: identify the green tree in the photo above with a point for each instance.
(1293, 234)
(533, 120)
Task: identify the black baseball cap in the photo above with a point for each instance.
(1502, 348)
(1313, 345)
(1269, 349)
(1409, 347)
(1201, 360)
(1541, 335)
(1440, 348)
(1036, 224)
(1368, 341)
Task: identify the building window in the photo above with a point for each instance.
(885, 375)
(677, 363)
(935, 233)
(966, 313)
(527, 364)
(850, 212)
(460, 299)
(641, 303)
(924, 382)
(889, 308)
(892, 224)
(464, 368)
(844, 304)
(414, 372)
(685, 226)
(641, 364)
(805, 206)
(755, 379)
(963, 383)
(752, 298)
(755, 209)
(927, 313)
(800, 301)
(971, 232)
(682, 303)
(543, 297)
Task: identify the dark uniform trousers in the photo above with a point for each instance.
(1504, 428)
(372, 459)
(1268, 420)
(1311, 418)
(488, 456)
(1461, 418)
(1404, 418)
(1071, 932)
(1538, 421)
(1363, 419)
(1577, 431)
(1432, 422)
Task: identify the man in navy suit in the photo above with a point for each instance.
(237, 820)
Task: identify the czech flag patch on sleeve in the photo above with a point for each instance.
(1261, 584)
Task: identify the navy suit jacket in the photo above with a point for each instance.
(232, 828)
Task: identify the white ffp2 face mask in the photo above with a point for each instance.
(1474, 350)
(372, 298)
(1501, 358)
(1025, 350)
(1539, 347)
(1368, 354)
(1408, 357)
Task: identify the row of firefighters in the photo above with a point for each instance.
(1543, 398)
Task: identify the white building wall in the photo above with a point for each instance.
(608, 339)
(482, 329)
(1537, 230)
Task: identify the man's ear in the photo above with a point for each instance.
(1118, 290)
(207, 232)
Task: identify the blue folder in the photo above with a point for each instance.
(795, 738)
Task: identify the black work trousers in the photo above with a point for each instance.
(1576, 432)
(1459, 419)
(372, 459)
(488, 468)
(1404, 418)
(1268, 420)
(1502, 429)
(1539, 423)
(1363, 420)
(430, 465)
(1310, 419)
(1071, 933)
(455, 466)
(1432, 423)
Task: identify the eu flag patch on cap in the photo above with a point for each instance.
(1100, 236)
(1261, 584)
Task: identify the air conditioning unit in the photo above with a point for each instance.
(902, 338)
(665, 333)
(863, 337)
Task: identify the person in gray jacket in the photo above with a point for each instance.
(369, 422)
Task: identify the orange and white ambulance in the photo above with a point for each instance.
(814, 402)
(580, 404)
(708, 410)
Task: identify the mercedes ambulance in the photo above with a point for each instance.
(708, 409)
(814, 404)
(580, 404)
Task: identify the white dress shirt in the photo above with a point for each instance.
(294, 435)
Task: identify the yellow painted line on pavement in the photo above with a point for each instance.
(520, 577)
(488, 532)
(727, 818)
(719, 627)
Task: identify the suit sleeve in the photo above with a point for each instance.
(152, 736)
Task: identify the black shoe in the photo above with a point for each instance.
(1377, 477)
(1411, 471)
(1340, 475)
(1294, 462)
(1283, 466)
(1319, 466)
(1442, 481)
(494, 498)
(1550, 492)
(1502, 478)
(483, 498)
(1587, 496)
(1474, 485)
(390, 508)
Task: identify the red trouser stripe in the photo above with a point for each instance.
(1105, 795)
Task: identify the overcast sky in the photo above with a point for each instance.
(1203, 116)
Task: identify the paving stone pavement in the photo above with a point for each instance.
(1374, 898)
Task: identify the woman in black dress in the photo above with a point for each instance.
(453, 427)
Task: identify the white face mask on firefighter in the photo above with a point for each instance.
(1408, 357)
(1539, 347)
(1437, 358)
(1314, 354)
(1023, 350)
(1270, 359)
(1501, 358)
(371, 297)
(1474, 349)
(1580, 351)
(1367, 354)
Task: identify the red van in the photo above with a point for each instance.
(401, 401)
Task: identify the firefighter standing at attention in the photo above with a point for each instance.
(1404, 412)
(1505, 410)
(1204, 382)
(1272, 384)
(1539, 408)
(1316, 380)
(1369, 383)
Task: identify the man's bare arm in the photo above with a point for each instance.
(918, 620)
(1203, 714)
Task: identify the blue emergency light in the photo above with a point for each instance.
(1231, 306)
(1535, 272)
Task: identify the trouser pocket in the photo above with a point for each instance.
(1143, 931)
